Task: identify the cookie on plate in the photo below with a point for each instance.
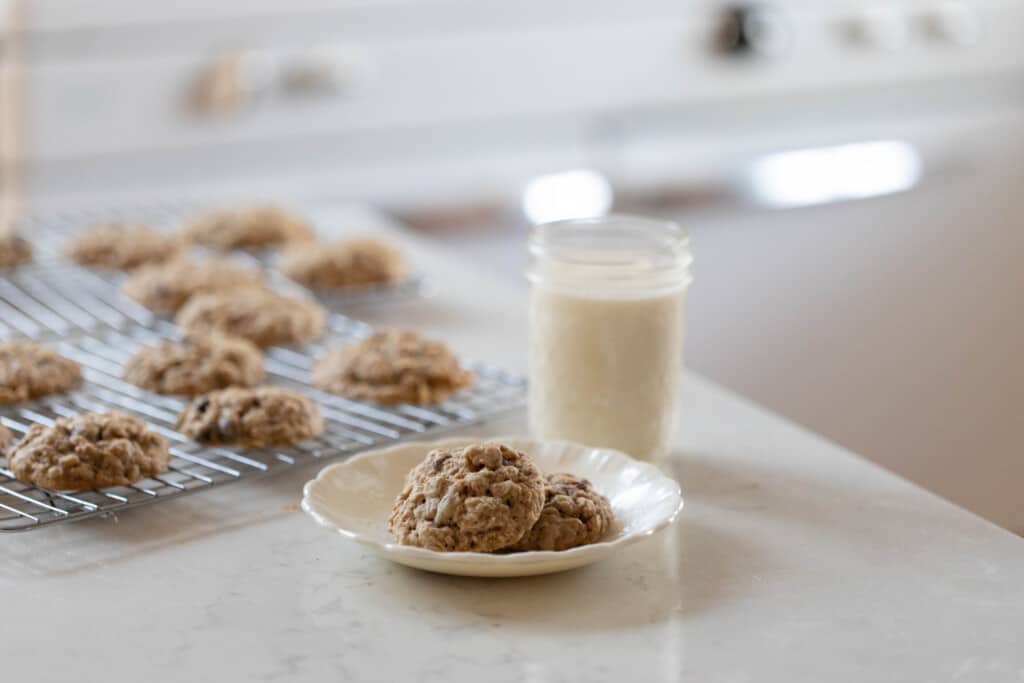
(256, 227)
(5, 437)
(195, 366)
(480, 498)
(263, 317)
(29, 370)
(392, 367)
(574, 514)
(123, 246)
(14, 250)
(89, 451)
(359, 261)
(166, 287)
(254, 418)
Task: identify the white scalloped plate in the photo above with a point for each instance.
(354, 498)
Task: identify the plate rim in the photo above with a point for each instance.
(530, 557)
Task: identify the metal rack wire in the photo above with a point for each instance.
(55, 301)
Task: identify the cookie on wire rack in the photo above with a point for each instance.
(166, 287)
(255, 227)
(352, 262)
(197, 365)
(262, 316)
(254, 418)
(31, 370)
(14, 251)
(392, 367)
(123, 246)
(89, 451)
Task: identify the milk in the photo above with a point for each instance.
(606, 331)
(605, 368)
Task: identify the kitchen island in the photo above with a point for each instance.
(793, 560)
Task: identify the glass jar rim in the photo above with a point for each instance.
(655, 224)
(616, 254)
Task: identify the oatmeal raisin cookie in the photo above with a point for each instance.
(119, 246)
(481, 498)
(574, 514)
(392, 366)
(30, 370)
(88, 451)
(197, 365)
(14, 251)
(166, 287)
(254, 418)
(359, 261)
(263, 317)
(256, 227)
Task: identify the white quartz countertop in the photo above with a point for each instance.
(793, 560)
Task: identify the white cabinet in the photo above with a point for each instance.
(893, 326)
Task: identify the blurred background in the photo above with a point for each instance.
(852, 174)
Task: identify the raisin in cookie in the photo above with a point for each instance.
(479, 498)
(257, 227)
(358, 261)
(89, 451)
(574, 514)
(165, 288)
(255, 418)
(123, 246)
(196, 366)
(392, 366)
(263, 317)
(14, 251)
(29, 370)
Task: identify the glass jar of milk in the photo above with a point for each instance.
(606, 331)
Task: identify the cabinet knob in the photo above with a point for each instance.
(954, 23)
(229, 82)
(882, 28)
(753, 30)
(324, 71)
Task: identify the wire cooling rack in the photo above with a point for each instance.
(350, 426)
(84, 317)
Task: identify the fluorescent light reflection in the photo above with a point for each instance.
(579, 193)
(828, 174)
